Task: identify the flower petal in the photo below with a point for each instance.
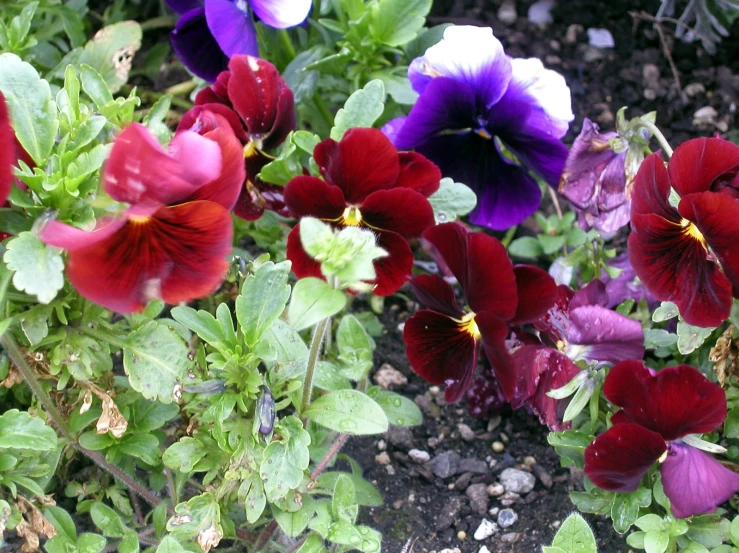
(312, 197)
(138, 169)
(7, 151)
(257, 195)
(494, 332)
(471, 55)
(556, 322)
(441, 351)
(231, 27)
(593, 293)
(394, 270)
(194, 44)
(697, 164)
(619, 458)
(547, 89)
(182, 6)
(481, 265)
(599, 334)
(207, 117)
(530, 362)
(61, 235)
(217, 93)
(281, 14)
(717, 218)
(363, 162)
(303, 265)
(400, 210)
(418, 173)
(177, 254)
(651, 191)
(695, 482)
(674, 401)
(436, 294)
(559, 371)
(537, 293)
(484, 396)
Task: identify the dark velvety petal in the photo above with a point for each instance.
(207, 117)
(436, 294)
(182, 6)
(441, 351)
(625, 285)
(363, 162)
(217, 93)
(303, 265)
(559, 371)
(260, 96)
(418, 173)
(530, 362)
(400, 210)
(673, 402)
(717, 218)
(543, 154)
(599, 334)
(484, 396)
(694, 481)
(281, 14)
(224, 189)
(537, 293)
(696, 165)
(651, 191)
(196, 47)
(285, 121)
(138, 169)
(177, 254)
(674, 267)
(256, 196)
(556, 322)
(593, 293)
(232, 28)
(494, 332)
(619, 458)
(445, 105)
(7, 151)
(481, 265)
(394, 270)
(312, 197)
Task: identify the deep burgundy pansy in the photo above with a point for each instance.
(658, 409)
(253, 99)
(674, 251)
(369, 184)
(7, 151)
(443, 340)
(173, 241)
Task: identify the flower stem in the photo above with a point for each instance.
(651, 127)
(333, 450)
(315, 350)
(287, 43)
(323, 110)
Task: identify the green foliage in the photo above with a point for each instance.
(37, 267)
(362, 109)
(452, 201)
(348, 411)
(574, 536)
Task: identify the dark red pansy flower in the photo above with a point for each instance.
(658, 410)
(674, 251)
(173, 241)
(442, 341)
(253, 98)
(367, 184)
(7, 151)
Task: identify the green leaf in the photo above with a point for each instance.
(262, 300)
(184, 455)
(285, 461)
(397, 22)
(399, 410)
(570, 444)
(156, 361)
(362, 108)
(362, 538)
(656, 541)
(90, 543)
(343, 503)
(199, 518)
(312, 301)
(578, 401)
(62, 522)
(709, 530)
(251, 494)
(649, 522)
(38, 268)
(19, 431)
(95, 86)
(84, 165)
(655, 338)
(314, 544)
(525, 247)
(636, 539)
(142, 446)
(294, 523)
(170, 545)
(690, 338)
(294, 155)
(624, 512)
(111, 51)
(201, 322)
(575, 536)
(355, 348)
(154, 119)
(452, 200)
(551, 244)
(365, 493)
(666, 311)
(282, 345)
(348, 411)
(33, 112)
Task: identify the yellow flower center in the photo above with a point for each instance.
(250, 149)
(483, 133)
(663, 456)
(139, 219)
(352, 217)
(691, 230)
(468, 325)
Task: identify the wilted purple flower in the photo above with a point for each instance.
(626, 285)
(211, 31)
(486, 119)
(265, 411)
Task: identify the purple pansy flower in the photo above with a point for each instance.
(626, 285)
(659, 409)
(477, 109)
(211, 31)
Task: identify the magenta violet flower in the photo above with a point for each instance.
(369, 184)
(442, 341)
(674, 251)
(477, 108)
(253, 99)
(174, 239)
(209, 32)
(658, 410)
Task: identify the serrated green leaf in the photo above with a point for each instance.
(87, 132)
(262, 300)
(361, 109)
(348, 411)
(201, 322)
(666, 311)
(397, 22)
(452, 200)
(624, 512)
(38, 268)
(284, 461)
(19, 431)
(312, 301)
(85, 165)
(33, 112)
(690, 338)
(293, 523)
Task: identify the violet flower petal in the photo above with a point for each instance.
(281, 14)
(599, 334)
(184, 6)
(194, 44)
(232, 28)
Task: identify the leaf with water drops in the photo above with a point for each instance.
(285, 461)
(348, 411)
(452, 200)
(690, 338)
(399, 410)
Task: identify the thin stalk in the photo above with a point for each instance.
(16, 355)
(162, 22)
(509, 235)
(323, 110)
(333, 450)
(287, 43)
(315, 350)
(658, 135)
(555, 201)
(180, 89)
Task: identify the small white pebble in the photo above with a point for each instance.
(383, 458)
(434, 390)
(382, 445)
(498, 447)
(419, 456)
(529, 461)
(461, 535)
